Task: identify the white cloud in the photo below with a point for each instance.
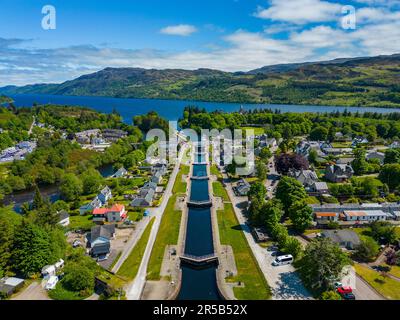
(375, 15)
(179, 30)
(377, 32)
(300, 11)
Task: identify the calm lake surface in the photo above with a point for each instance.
(169, 109)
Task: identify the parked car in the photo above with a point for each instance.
(272, 248)
(283, 260)
(344, 290)
(348, 296)
(277, 253)
(337, 285)
(102, 257)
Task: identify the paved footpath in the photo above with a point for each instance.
(135, 290)
(283, 280)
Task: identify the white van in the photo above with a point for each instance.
(51, 283)
(282, 260)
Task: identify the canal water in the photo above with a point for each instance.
(199, 283)
(17, 199)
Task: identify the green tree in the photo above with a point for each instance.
(78, 278)
(321, 263)
(8, 222)
(71, 187)
(265, 153)
(390, 174)
(280, 234)
(367, 250)
(293, 247)
(313, 156)
(16, 183)
(383, 232)
(257, 191)
(91, 181)
(301, 215)
(261, 170)
(271, 214)
(288, 191)
(32, 249)
(38, 201)
(46, 215)
(360, 164)
(392, 156)
(319, 134)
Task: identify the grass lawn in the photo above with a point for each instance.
(179, 186)
(219, 191)
(257, 130)
(255, 286)
(395, 271)
(252, 180)
(388, 287)
(81, 222)
(214, 171)
(131, 265)
(341, 144)
(168, 232)
(115, 260)
(167, 235)
(135, 215)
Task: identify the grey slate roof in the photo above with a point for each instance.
(105, 231)
(341, 236)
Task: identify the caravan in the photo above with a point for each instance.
(282, 260)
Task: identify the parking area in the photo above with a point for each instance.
(283, 280)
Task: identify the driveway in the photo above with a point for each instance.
(363, 291)
(33, 292)
(283, 280)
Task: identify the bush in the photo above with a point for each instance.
(330, 295)
(333, 225)
(79, 278)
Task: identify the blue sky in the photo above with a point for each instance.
(229, 35)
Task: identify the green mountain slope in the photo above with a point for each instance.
(372, 82)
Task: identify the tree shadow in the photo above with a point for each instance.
(290, 286)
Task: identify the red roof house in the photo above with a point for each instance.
(114, 214)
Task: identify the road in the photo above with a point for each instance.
(272, 175)
(283, 280)
(32, 125)
(136, 288)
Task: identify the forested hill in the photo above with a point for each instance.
(373, 82)
(4, 100)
